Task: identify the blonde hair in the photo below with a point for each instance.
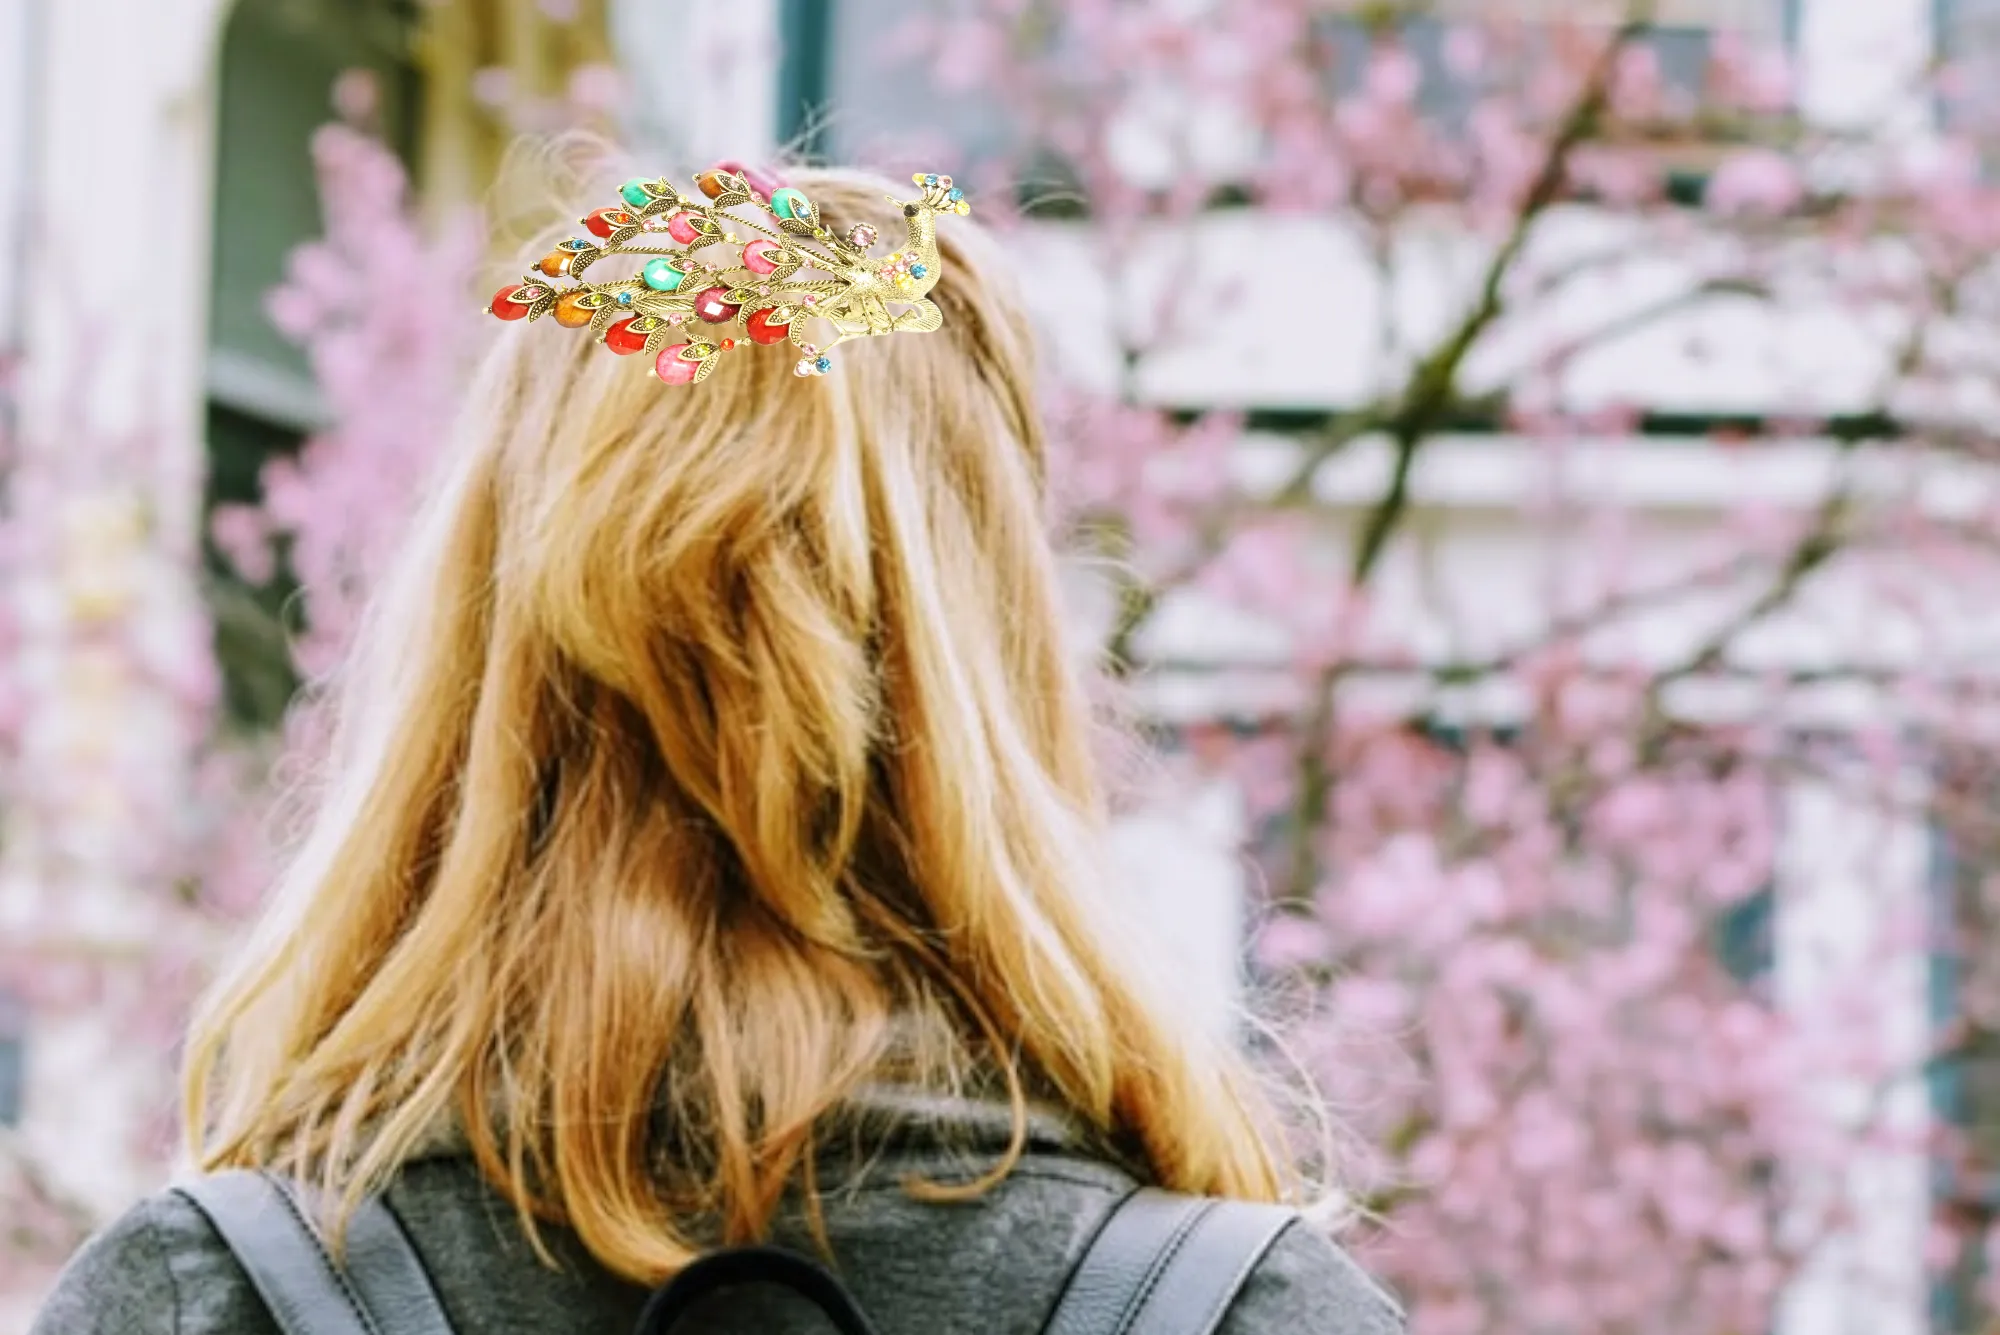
(708, 744)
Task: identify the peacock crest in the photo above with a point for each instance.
(702, 277)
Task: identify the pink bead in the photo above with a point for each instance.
(672, 370)
(763, 182)
(681, 227)
(714, 306)
(761, 256)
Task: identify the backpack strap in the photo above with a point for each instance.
(1164, 1264)
(381, 1289)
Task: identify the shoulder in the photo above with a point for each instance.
(1306, 1285)
(159, 1269)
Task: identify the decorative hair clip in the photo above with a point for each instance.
(752, 283)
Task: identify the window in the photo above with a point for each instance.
(13, 1058)
(848, 93)
(280, 60)
(1966, 34)
(1964, 1086)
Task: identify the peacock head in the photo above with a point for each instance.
(939, 196)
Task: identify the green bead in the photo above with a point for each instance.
(789, 203)
(635, 193)
(661, 275)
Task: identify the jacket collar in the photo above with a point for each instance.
(896, 1120)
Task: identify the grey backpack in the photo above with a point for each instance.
(1161, 1264)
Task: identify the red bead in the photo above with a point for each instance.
(713, 306)
(728, 343)
(621, 340)
(710, 183)
(505, 307)
(671, 369)
(606, 221)
(763, 331)
(681, 227)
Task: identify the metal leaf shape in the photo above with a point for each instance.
(708, 365)
(745, 296)
(542, 307)
(584, 259)
(647, 324)
(795, 226)
(596, 301)
(602, 320)
(780, 314)
(624, 234)
(670, 312)
(695, 352)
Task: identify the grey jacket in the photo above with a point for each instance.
(994, 1266)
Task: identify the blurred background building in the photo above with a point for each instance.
(155, 174)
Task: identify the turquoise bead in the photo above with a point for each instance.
(955, 195)
(635, 193)
(789, 203)
(661, 275)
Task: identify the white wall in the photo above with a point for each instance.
(18, 107)
(106, 140)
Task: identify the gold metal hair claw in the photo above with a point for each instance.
(700, 275)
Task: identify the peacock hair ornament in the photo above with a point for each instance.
(711, 278)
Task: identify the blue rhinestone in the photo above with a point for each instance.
(930, 180)
(956, 194)
(918, 271)
(624, 298)
(574, 244)
(824, 364)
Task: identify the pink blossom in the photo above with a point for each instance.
(357, 95)
(493, 86)
(596, 88)
(1755, 181)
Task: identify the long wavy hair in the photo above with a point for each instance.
(712, 754)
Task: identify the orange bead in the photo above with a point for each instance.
(710, 183)
(555, 264)
(571, 313)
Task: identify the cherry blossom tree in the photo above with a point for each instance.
(1523, 829)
